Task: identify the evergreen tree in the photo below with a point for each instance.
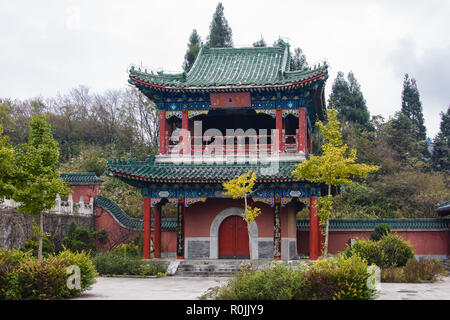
(412, 107)
(260, 43)
(346, 97)
(298, 61)
(441, 145)
(220, 34)
(192, 51)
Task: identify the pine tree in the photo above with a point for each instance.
(192, 51)
(260, 43)
(441, 145)
(298, 61)
(412, 107)
(220, 34)
(346, 97)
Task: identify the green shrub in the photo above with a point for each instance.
(82, 239)
(338, 278)
(117, 263)
(276, 282)
(48, 247)
(126, 250)
(152, 269)
(84, 262)
(335, 278)
(366, 249)
(390, 251)
(380, 231)
(396, 251)
(414, 271)
(24, 277)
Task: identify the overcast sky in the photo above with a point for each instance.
(48, 47)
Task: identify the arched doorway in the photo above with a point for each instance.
(233, 239)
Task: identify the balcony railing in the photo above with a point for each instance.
(232, 145)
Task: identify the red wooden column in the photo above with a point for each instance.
(314, 230)
(279, 128)
(147, 229)
(302, 128)
(186, 146)
(157, 230)
(162, 132)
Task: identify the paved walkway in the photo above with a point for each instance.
(191, 288)
(439, 290)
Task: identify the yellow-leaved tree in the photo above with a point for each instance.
(334, 167)
(240, 188)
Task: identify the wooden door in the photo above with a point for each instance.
(233, 239)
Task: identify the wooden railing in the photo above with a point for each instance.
(228, 145)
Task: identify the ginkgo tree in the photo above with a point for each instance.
(240, 188)
(334, 167)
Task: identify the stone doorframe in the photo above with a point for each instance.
(214, 232)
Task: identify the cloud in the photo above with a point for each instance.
(431, 69)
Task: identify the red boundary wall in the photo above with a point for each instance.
(424, 242)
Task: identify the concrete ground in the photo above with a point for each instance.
(191, 288)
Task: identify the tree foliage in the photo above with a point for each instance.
(347, 98)
(240, 188)
(298, 60)
(220, 34)
(192, 51)
(7, 167)
(412, 108)
(38, 179)
(334, 167)
(441, 145)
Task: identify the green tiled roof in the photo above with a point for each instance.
(150, 170)
(228, 68)
(83, 178)
(370, 224)
(128, 222)
(443, 209)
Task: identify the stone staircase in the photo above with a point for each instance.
(213, 268)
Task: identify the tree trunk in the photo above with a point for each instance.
(248, 230)
(40, 235)
(327, 225)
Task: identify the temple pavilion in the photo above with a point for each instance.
(237, 109)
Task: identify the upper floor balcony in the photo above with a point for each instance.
(241, 133)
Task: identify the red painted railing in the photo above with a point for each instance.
(227, 145)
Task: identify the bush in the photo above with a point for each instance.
(396, 251)
(335, 278)
(276, 282)
(366, 249)
(48, 247)
(116, 262)
(84, 262)
(390, 251)
(414, 271)
(381, 230)
(24, 277)
(82, 239)
(126, 250)
(338, 278)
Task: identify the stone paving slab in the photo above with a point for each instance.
(191, 288)
(439, 290)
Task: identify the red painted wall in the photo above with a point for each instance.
(117, 234)
(87, 191)
(423, 242)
